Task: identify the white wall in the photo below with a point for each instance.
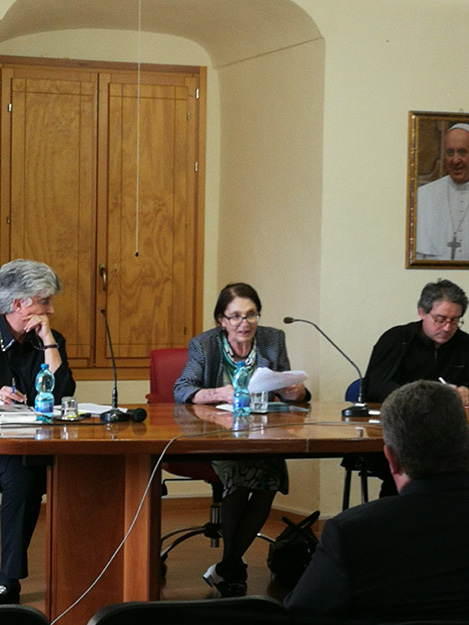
(312, 201)
(382, 60)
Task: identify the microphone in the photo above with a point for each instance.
(114, 415)
(359, 409)
(137, 415)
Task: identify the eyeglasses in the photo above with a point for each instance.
(440, 321)
(237, 320)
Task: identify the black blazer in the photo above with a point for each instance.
(398, 558)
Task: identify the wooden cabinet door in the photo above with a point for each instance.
(52, 199)
(99, 180)
(146, 243)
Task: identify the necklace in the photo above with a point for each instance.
(454, 243)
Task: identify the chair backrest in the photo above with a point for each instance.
(353, 390)
(166, 366)
(228, 611)
(22, 615)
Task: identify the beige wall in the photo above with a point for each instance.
(306, 176)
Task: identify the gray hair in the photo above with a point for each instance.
(23, 279)
(424, 425)
(443, 290)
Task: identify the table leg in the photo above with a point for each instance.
(91, 501)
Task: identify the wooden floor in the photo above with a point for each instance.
(186, 563)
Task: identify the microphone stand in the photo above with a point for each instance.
(114, 415)
(359, 408)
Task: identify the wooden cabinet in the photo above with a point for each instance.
(102, 178)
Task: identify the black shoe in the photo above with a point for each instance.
(226, 589)
(9, 594)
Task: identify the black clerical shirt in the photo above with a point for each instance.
(22, 362)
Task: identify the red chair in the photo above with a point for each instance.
(166, 366)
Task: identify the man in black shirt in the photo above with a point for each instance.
(434, 348)
(26, 341)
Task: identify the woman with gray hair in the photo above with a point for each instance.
(26, 342)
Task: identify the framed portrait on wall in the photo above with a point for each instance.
(438, 190)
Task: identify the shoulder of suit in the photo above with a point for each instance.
(209, 335)
(266, 331)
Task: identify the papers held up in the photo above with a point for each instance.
(264, 379)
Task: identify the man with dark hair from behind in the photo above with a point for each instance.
(406, 557)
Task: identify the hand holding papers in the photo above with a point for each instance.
(264, 379)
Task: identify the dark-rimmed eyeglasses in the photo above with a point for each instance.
(237, 320)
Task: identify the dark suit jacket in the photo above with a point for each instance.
(397, 558)
(204, 368)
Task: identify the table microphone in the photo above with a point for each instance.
(114, 415)
(359, 409)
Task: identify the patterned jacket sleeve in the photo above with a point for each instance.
(203, 368)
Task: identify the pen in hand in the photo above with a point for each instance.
(22, 399)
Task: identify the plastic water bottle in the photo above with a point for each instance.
(242, 397)
(44, 402)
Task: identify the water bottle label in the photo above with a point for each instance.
(44, 405)
(243, 401)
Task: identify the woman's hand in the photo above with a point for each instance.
(10, 396)
(214, 395)
(295, 392)
(41, 325)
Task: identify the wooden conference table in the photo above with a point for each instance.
(98, 473)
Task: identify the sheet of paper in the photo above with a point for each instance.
(17, 413)
(227, 407)
(95, 409)
(264, 379)
(18, 417)
(15, 408)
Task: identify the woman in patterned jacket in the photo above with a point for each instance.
(249, 484)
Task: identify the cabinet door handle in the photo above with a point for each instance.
(103, 274)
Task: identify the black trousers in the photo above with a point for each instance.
(22, 488)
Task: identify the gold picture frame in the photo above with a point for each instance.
(429, 241)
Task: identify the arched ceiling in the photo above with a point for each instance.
(230, 30)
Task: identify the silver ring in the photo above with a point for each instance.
(38, 319)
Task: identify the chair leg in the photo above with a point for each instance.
(346, 494)
(181, 539)
(364, 483)
(215, 520)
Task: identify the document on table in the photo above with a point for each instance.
(17, 413)
(95, 409)
(264, 379)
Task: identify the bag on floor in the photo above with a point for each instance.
(291, 552)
